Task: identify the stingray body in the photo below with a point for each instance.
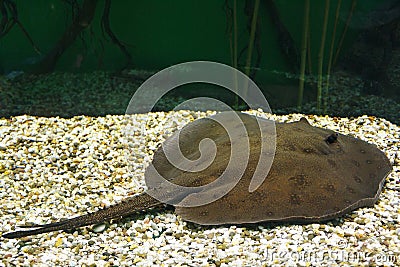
(316, 175)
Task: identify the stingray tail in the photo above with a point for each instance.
(122, 209)
(41, 229)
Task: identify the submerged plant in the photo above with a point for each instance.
(326, 92)
(303, 52)
(321, 54)
(251, 41)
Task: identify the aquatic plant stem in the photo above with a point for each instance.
(353, 6)
(303, 52)
(231, 30)
(105, 26)
(251, 42)
(326, 91)
(235, 52)
(309, 60)
(321, 54)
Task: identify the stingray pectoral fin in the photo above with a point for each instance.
(119, 210)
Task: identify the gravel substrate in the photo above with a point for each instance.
(54, 168)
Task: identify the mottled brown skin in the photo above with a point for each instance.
(316, 175)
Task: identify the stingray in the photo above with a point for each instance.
(316, 175)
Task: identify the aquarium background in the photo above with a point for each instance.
(67, 58)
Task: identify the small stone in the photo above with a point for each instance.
(221, 246)
(140, 230)
(58, 242)
(98, 228)
(179, 235)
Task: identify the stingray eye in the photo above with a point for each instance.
(332, 138)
